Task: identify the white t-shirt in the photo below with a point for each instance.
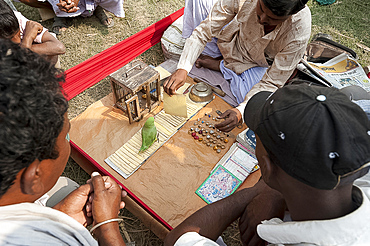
(32, 224)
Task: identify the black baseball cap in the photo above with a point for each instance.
(314, 133)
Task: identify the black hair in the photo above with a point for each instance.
(32, 109)
(9, 24)
(285, 7)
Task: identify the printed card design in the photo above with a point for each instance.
(220, 184)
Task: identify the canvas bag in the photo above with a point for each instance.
(172, 41)
(322, 48)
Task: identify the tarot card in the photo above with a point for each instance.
(220, 184)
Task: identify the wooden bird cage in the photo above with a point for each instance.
(136, 89)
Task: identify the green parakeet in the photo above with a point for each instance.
(148, 134)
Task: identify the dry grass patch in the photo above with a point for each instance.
(347, 21)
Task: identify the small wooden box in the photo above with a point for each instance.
(136, 89)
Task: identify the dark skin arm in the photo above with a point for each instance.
(266, 205)
(177, 79)
(50, 46)
(213, 219)
(106, 202)
(30, 32)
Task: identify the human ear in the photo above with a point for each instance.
(31, 182)
(267, 168)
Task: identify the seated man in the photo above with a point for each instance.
(313, 145)
(34, 150)
(85, 8)
(29, 34)
(278, 30)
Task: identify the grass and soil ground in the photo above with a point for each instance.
(347, 21)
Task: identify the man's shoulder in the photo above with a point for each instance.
(26, 221)
(246, 4)
(299, 26)
(303, 16)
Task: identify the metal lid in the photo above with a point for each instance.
(201, 92)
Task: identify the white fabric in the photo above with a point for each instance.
(172, 41)
(194, 13)
(60, 190)
(22, 26)
(350, 230)
(365, 105)
(194, 239)
(32, 224)
(87, 7)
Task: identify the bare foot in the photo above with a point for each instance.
(208, 62)
(59, 25)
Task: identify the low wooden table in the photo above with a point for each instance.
(162, 190)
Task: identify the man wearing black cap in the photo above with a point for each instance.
(313, 148)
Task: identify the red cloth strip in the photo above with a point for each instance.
(96, 68)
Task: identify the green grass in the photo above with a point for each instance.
(347, 21)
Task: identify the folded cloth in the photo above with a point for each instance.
(194, 13)
(241, 84)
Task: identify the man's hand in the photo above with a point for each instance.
(74, 204)
(175, 81)
(232, 118)
(268, 204)
(30, 32)
(106, 201)
(69, 6)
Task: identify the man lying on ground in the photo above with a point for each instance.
(29, 34)
(278, 30)
(313, 148)
(34, 150)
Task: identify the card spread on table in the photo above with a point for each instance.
(175, 104)
(239, 160)
(220, 184)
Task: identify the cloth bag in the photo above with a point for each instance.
(172, 41)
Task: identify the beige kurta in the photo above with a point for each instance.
(244, 45)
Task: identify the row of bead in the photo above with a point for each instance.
(205, 136)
